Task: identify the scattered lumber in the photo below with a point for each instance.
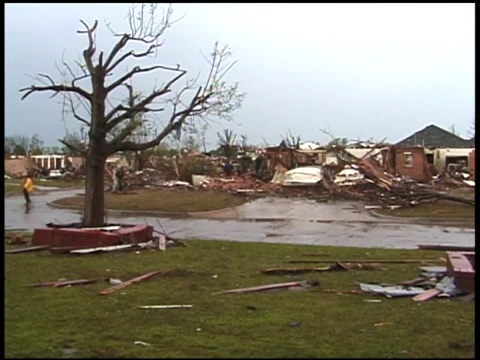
(27, 249)
(284, 271)
(294, 284)
(129, 282)
(368, 261)
(63, 283)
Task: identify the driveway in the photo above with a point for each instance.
(271, 220)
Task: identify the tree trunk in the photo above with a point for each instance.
(116, 182)
(94, 210)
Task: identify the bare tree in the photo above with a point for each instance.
(291, 141)
(23, 145)
(78, 141)
(453, 130)
(227, 143)
(141, 130)
(471, 131)
(193, 101)
(203, 134)
(243, 143)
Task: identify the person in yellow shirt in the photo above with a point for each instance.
(27, 187)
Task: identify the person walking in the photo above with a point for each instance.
(27, 187)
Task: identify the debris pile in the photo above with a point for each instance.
(232, 184)
(434, 283)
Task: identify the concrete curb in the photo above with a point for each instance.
(416, 219)
(212, 213)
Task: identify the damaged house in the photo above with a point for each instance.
(407, 161)
(442, 151)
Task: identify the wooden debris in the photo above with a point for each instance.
(349, 292)
(27, 249)
(162, 242)
(128, 283)
(427, 295)
(315, 254)
(413, 282)
(284, 271)
(64, 283)
(164, 306)
(168, 237)
(446, 247)
(369, 261)
(55, 250)
(101, 249)
(287, 285)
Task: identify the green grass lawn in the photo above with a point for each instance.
(163, 200)
(42, 322)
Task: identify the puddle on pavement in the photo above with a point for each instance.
(46, 188)
(272, 220)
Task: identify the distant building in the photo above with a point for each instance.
(50, 162)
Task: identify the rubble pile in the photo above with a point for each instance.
(233, 183)
(350, 178)
(382, 189)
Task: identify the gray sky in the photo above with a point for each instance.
(363, 70)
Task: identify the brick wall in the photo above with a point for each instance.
(471, 163)
(411, 162)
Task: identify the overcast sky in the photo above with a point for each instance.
(361, 70)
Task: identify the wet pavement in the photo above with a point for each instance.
(271, 220)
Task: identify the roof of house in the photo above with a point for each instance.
(434, 136)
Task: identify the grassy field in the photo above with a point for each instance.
(440, 209)
(47, 322)
(163, 200)
(13, 186)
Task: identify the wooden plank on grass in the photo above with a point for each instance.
(282, 271)
(128, 283)
(27, 249)
(264, 287)
(367, 261)
(102, 248)
(64, 283)
(427, 295)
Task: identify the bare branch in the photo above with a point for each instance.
(55, 88)
(74, 113)
(176, 122)
(118, 46)
(73, 147)
(132, 54)
(137, 70)
(88, 53)
(141, 106)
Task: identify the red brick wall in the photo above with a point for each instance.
(418, 171)
(471, 163)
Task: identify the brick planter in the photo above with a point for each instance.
(88, 238)
(461, 265)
